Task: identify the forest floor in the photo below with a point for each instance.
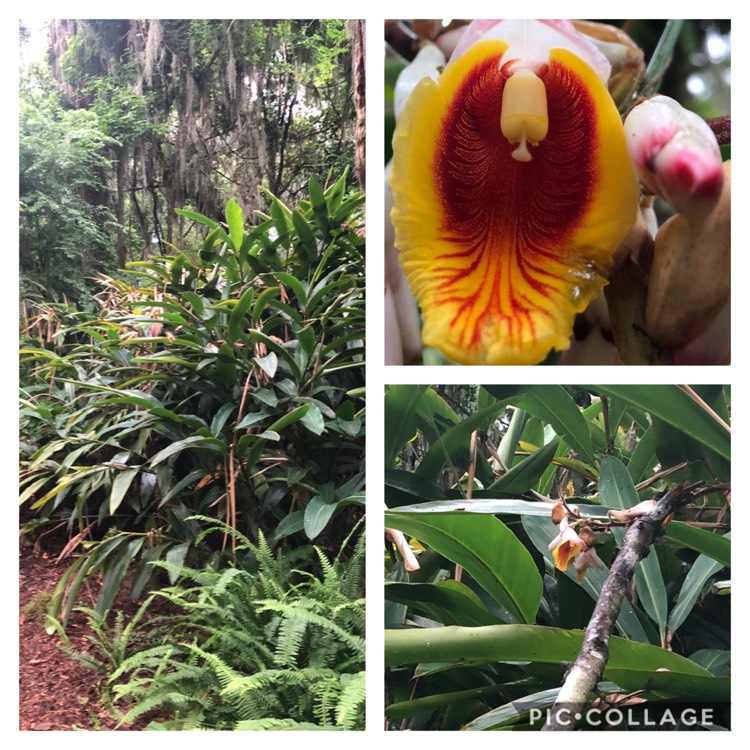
(55, 691)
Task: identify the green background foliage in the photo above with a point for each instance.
(478, 653)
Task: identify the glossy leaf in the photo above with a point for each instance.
(235, 223)
(553, 405)
(448, 602)
(486, 549)
(401, 402)
(211, 444)
(712, 545)
(671, 404)
(526, 474)
(120, 486)
(702, 569)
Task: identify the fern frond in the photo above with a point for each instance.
(350, 712)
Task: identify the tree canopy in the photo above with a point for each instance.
(128, 120)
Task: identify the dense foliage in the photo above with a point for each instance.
(134, 119)
(472, 475)
(263, 645)
(226, 381)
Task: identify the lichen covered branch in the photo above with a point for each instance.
(589, 667)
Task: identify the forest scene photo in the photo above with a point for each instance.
(192, 414)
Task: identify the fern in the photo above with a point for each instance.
(259, 645)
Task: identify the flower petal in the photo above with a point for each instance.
(564, 553)
(504, 242)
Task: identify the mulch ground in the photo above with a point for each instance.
(57, 692)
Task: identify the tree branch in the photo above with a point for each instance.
(582, 678)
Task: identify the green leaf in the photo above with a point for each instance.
(712, 545)
(313, 420)
(220, 419)
(297, 286)
(317, 515)
(268, 364)
(116, 573)
(631, 665)
(448, 602)
(440, 701)
(120, 486)
(674, 406)
(319, 205)
(238, 318)
(289, 418)
(486, 549)
(553, 405)
(290, 524)
(703, 568)
(514, 712)
(526, 474)
(401, 403)
(211, 444)
(616, 487)
(305, 234)
(235, 223)
(486, 505)
(715, 661)
(176, 556)
(200, 218)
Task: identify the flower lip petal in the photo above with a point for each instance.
(501, 254)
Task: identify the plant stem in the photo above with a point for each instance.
(588, 669)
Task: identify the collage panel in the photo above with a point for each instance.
(192, 373)
(557, 192)
(557, 557)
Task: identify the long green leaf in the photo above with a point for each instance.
(712, 545)
(526, 474)
(485, 547)
(290, 418)
(671, 404)
(120, 486)
(552, 404)
(317, 515)
(495, 506)
(401, 402)
(211, 444)
(633, 666)
(238, 318)
(703, 568)
(116, 573)
(235, 223)
(448, 602)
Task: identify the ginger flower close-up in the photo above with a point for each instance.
(518, 195)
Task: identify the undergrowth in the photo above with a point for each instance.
(261, 645)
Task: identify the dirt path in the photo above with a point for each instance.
(57, 692)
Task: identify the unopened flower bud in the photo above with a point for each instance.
(558, 512)
(675, 154)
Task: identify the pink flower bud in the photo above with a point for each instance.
(675, 154)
